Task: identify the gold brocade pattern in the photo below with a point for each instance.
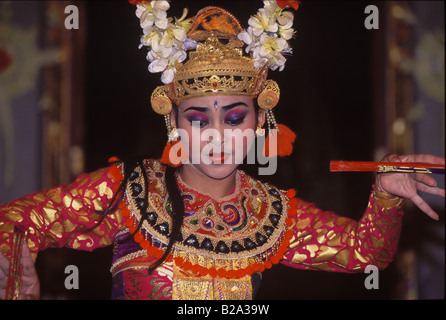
(310, 238)
(64, 216)
(325, 241)
(386, 200)
(285, 229)
(189, 287)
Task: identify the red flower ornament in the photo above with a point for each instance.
(135, 2)
(290, 3)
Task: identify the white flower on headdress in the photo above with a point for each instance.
(285, 20)
(248, 37)
(165, 59)
(183, 23)
(173, 37)
(153, 13)
(174, 60)
(158, 57)
(167, 40)
(261, 23)
(268, 34)
(271, 49)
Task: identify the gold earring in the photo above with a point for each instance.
(160, 102)
(269, 97)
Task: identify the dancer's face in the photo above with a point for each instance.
(220, 132)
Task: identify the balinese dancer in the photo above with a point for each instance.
(192, 225)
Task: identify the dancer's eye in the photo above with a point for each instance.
(235, 118)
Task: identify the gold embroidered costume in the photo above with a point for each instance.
(224, 244)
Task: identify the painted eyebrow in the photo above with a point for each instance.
(224, 108)
(233, 105)
(200, 109)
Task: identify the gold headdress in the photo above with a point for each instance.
(205, 55)
(217, 65)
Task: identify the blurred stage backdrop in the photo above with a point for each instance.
(72, 98)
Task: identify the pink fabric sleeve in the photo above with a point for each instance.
(66, 215)
(323, 240)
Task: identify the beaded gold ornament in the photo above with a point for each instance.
(160, 102)
(270, 95)
(201, 254)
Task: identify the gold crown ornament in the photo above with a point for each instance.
(211, 54)
(217, 64)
